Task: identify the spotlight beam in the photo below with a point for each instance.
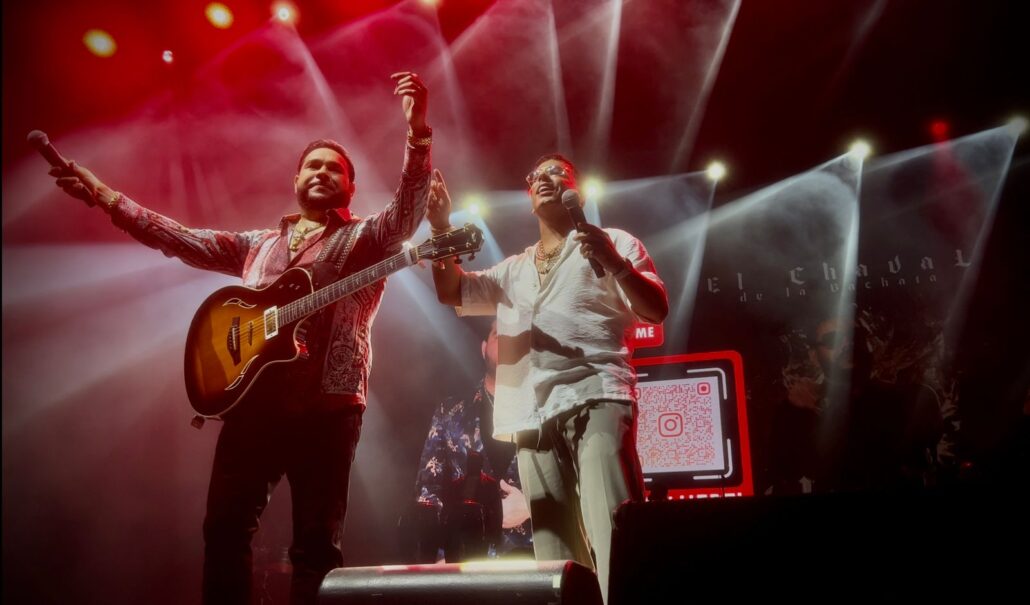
(606, 98)
(697, 111)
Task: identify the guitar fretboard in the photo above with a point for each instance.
(326, 296)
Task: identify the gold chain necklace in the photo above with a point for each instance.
(545, 261)
(301, 233)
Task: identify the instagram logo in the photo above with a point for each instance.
(704, 388)
(670, 425)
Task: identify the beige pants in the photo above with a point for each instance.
(575, 473)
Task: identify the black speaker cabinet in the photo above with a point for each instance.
(485, 583)
(912, 545)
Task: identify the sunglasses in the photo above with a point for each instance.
(552, 170)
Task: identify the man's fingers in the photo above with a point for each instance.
(408, 89)
(438, 176)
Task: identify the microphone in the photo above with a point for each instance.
(570, 199)
(41, 142)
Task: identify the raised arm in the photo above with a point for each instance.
(446, 273)
(398, 221)
(222, 251)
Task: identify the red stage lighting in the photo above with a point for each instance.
(940, 129)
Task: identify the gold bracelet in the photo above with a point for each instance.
(115, 196)
(440, 231)
(420, 141)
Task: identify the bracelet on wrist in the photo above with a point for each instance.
(420, 141)
(440, 230)
(111, 199)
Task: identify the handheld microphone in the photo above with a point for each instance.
(570, 199)
(39, 140)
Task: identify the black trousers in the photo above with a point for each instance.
(314, 451)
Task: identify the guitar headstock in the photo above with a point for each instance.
(467, 239)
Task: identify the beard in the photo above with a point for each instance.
(338, 199)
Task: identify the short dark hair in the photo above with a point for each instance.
(328, 144)
(558, 158)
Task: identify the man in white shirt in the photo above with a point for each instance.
(565, 388)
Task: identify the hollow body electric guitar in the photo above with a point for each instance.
(240, 331)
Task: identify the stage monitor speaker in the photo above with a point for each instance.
(473, 583)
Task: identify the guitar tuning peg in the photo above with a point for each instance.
(472, 256)
(457, 260)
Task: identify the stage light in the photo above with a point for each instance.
(430, 3)
(1018, 125)
(473, 204)
(168, 57)
(593, 188)
(716, 171)
(219, 15)
(939, 130)
(99, 42)
(860, 149)
(285, 12)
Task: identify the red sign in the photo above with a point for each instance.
(647, 335)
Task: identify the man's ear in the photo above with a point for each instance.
(482, 348)
(351, 189)
(296, 183)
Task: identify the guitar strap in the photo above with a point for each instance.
(339, 246)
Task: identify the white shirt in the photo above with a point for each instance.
(562, 340)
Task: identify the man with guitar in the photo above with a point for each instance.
(565, 391)
(301, 419)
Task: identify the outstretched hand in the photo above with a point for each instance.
(415, 99)
(82, 184)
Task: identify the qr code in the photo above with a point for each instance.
(679, 428)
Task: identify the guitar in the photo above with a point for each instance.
(240, 331)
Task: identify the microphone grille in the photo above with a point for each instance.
(38, 139)
(570, 198)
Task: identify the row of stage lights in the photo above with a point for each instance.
(102, 44)
(220, 16)
(593, 187)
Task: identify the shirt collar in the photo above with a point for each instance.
(337, 217)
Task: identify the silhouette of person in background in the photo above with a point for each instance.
(846, 429)
(470, 502)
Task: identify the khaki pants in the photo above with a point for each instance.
(580, 467)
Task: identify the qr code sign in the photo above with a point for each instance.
(680, 427)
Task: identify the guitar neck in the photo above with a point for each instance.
(304, 306)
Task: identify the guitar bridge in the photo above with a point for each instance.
(232, 340)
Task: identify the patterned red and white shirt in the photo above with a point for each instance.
(339, 337)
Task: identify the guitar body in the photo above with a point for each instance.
(231, 341)
(238, 331)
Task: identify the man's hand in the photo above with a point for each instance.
(82, 184)
(415, 100)
(514, 509)
(596, 244)
(439, 209)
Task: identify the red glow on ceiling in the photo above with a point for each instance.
(940, 130)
